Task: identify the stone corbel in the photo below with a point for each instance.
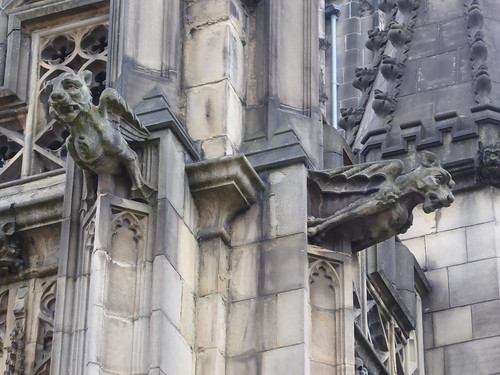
(222, 188)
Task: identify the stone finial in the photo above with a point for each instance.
(10, 251)
(222, 188)
(369, 203)
(95, 144)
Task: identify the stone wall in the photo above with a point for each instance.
(459, 249)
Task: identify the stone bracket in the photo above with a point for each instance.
(222, 188)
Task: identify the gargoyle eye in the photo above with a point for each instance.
(68, 85)
(440, 179)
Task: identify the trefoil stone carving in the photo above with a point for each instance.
(95, 142)
(371, 202)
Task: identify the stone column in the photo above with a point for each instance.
(221, 189)
(214, 74)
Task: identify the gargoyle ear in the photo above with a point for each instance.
(87, 77)
(9, 228)
(430, 159)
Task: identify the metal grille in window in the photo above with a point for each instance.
(77, 50)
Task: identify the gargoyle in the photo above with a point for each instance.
(376, 39)
(383, 103)
(488, 164)
(399, 34)
(10, 250)
(364, 78)
(95, 142)
(369, 203)
(391, 68)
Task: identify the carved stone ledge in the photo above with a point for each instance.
(222, 188)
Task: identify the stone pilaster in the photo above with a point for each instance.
(221, 189)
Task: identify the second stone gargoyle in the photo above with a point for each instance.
(95, 143)
(369, 203)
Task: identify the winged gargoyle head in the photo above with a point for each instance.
(432, 182)
(69, 94)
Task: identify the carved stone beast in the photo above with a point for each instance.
(95, 143)
(369, 203)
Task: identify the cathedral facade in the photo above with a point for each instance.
(261, 187)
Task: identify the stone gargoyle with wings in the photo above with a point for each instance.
(369, 203)
(95, 143)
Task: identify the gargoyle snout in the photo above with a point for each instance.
(450, 198)
(56, 95)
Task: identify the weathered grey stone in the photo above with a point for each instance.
(291, 360)
(452, 326)
(169, 350)
(220, 44)
(246, 364)
(188, 256)
(478, 206)
(280, 257)
(213, 267)
(417, 248)
(287, 185)
(485, 322)
(478, 356)
(483, 286)
(439, 297)
(167, 290)
(252, 326)
(434, 361)
(481, 242)
(292, 321)
(432, 74)
(245, 270)
(188, 321)
(117, 345)
(210, 361)
(446, 248)
(211, 322)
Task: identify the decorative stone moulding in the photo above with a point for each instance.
(488, 164)
(383, 103)
(399, 34)
(478, 52)
(377, 39)
(369, 203)
(364, 78)
(391, 69)
(222, 188)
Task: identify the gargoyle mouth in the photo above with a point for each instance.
(433, 202)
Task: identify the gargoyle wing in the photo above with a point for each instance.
(112, 103)
(357, 179)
